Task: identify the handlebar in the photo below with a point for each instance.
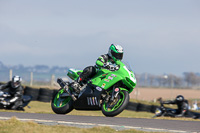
(4, 94)
(113, 67)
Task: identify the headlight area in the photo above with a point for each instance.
(130, 82)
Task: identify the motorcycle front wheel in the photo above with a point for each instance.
(115, 107)
(61, 105)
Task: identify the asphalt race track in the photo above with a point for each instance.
(117, 123)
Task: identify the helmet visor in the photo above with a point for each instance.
(118, 56)
(15, 84)
(179, 99)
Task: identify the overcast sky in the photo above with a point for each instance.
(158, 36)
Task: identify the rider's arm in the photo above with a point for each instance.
(102, 60)
(168, 102)
(2, 87)
(18, 95)
(99, 63)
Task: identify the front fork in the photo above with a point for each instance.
(66, 88)
(115, 92)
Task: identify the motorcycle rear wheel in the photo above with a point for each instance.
(61, 105)
(114, 108)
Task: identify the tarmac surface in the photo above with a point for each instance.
(117, 123)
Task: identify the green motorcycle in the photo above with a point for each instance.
(108, 91)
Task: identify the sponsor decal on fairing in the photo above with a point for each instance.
(106, 80)
(103, 85)
(113, 75)
(99, 88)
(111, 78)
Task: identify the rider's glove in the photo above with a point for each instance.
(106, 65)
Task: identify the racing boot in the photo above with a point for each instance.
(77, 85)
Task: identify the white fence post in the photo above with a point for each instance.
(10, 74)
(31, 81)
(52, 80)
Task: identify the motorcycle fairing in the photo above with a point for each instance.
(106, 78)
(89, 99)
(73, 73)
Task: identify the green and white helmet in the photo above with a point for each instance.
(115, 52)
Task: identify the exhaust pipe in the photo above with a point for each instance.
(66, 88)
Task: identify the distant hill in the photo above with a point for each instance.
(40, 72)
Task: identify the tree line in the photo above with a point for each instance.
(189, 80)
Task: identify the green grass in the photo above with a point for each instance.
(13, 125)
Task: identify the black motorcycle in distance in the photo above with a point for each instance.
(163, 111)
(167, 112)
(4, 96)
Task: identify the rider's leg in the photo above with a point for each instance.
(87, 73)
(17, 105)
(171, 112)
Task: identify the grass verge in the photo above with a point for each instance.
(13, 125)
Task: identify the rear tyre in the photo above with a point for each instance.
(61, 105)
(114, 108)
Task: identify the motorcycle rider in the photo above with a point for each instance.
(115, 53)
(16, 91)
(183, 107)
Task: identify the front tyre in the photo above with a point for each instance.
(115, 107)
(61, 105)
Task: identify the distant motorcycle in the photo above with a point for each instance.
(4, 96)
(163, 111)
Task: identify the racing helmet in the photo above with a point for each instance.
(179, 98)
(115, 52)
(16, 81)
